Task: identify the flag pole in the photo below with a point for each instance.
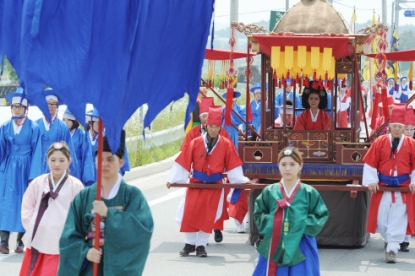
(98, 194)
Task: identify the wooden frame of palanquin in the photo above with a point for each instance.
(339, 150)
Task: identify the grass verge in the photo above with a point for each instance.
(143, 156)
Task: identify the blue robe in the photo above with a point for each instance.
(256, 114)
(94, 147)
(20, 162)
(58, 131)
(279, 103)
(86, 164)
(403, 98)
(233, 133)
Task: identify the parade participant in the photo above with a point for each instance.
(234, 133)
(126, 225)
(408, 131)
(208, 155)
(289, 215)
(343, 104)
(391, 88)
(200, 129)
(92, 118)
(390, 161)
(20, 162)
(381, 120)
(287, 117)
(256, 106)
(314, 117)
(403, 92)
(196, 112)
(54, 131)
(289, 96)
(44, 209)
(83, 152)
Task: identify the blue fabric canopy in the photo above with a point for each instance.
(116, 55)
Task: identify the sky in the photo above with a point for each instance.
(257, 10)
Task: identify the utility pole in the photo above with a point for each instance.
(234, 13)
(397, 9)
(287, 5)
(384, 12)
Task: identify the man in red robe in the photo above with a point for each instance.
(381, 120)
(209, 156)
(343, 104)
(199, 130)
(390, 161)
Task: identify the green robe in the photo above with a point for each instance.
(127, 234)
(307, 216)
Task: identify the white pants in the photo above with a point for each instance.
(392, 220)
(407, 238)
(196, 238)
(246, 221)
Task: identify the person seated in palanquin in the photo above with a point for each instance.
(285, 118)
(314, 100)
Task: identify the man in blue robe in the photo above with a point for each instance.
(55, 131)
(241, 110)
(20, 162)
(92, 118)
(83, 152)
(289, 96)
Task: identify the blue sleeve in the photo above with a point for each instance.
(88, 165)
(126, 166)
(36, 144)
(73, 167)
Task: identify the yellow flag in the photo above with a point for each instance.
(374, 18)
(354, 16)
(411, 71)
(190, 124)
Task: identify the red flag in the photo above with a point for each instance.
(229, 103)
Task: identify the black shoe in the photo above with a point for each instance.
(404, 247)
(200, 251)
(4, 245)
(188, 248)
(19, 244)
(218, 236)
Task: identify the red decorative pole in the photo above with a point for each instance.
(98, 195)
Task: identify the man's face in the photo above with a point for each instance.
(111, 164)
(18, 110)
(396, 130)
(203, 118)
(409, 131)
(213, 130)
(53, 107)
(391, 83)
(403, 82)
(287, 119)
(257, 95)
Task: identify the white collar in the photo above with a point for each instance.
(18, 128)
(55, 186)
(114, 190)
(314, 118)
(292, 190)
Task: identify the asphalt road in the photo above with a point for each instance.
(233, 256)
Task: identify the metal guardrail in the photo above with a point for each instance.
(156, 139)
(345, 188)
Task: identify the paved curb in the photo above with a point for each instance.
(150, 169)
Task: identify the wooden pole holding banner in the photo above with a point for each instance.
(98, 195)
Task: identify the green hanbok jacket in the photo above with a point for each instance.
(306, 215)
(127, 233)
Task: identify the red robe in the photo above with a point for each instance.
(378, 157)
(379, 122)
(196, 132)
(201, 204)
(304, 121)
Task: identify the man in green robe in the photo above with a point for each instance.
(125, 229)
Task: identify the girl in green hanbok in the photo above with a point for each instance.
(289, 215)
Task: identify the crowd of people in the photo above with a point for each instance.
(48, 195)
(48, 171)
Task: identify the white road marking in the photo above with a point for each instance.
(172, 195)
